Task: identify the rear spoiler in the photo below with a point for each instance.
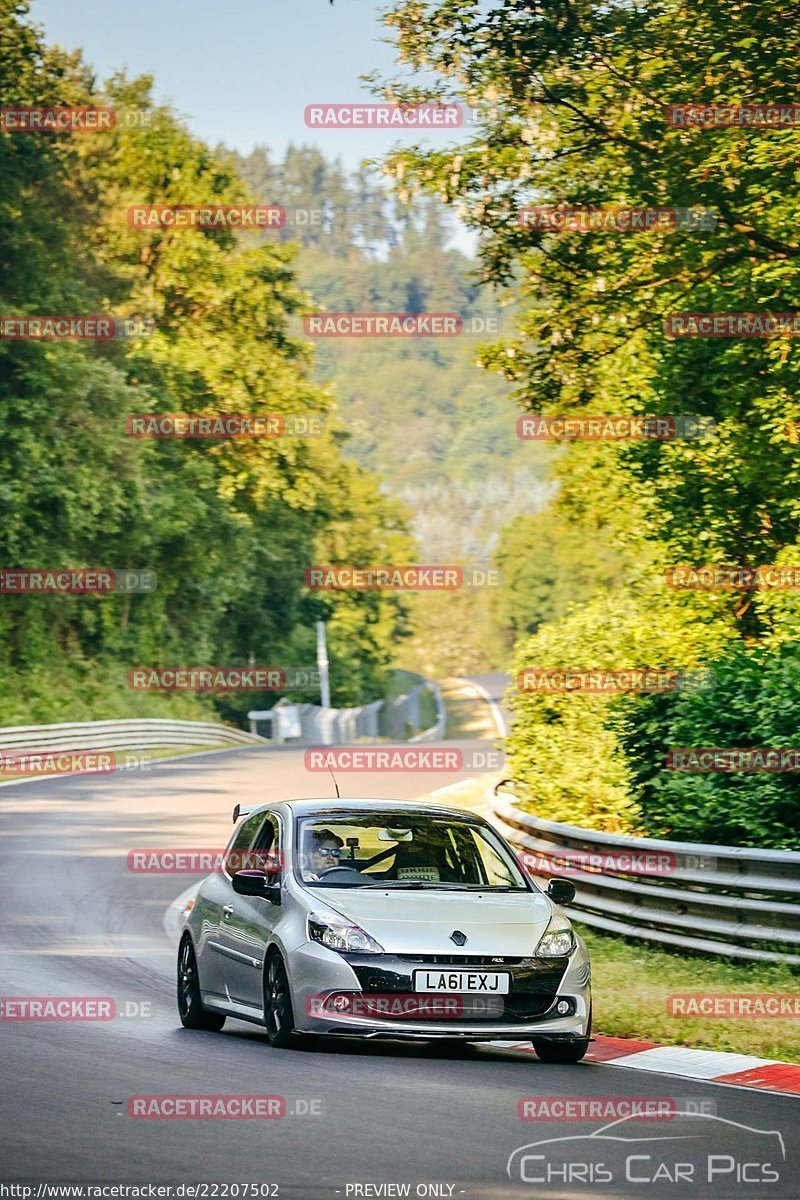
(238, 811)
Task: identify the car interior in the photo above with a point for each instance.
(433, 853)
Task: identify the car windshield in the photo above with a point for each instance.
(406, 851)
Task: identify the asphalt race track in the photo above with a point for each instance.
(77, 922)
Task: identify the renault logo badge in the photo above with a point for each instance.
(458, 937)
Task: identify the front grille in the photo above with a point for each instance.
(460, 960)
(534, 982)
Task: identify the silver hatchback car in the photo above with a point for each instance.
(383, 919)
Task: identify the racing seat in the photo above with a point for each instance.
(424, 861)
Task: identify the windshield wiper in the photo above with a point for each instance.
(440, 885)
(478, 887)
(395, 883)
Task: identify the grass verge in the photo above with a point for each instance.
(631, 983)
(633, 980)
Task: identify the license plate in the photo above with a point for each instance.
(488, 982)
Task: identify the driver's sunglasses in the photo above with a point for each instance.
(329, 851)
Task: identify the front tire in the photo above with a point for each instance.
(190, 1007)
(559, 1052)
(563, 1052)
(451, 1046)
(278, 1012)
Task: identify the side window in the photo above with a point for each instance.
(243, 837)
(240, 843)
(268, 845)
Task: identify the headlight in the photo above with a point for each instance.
(338, 934)
(558, 941)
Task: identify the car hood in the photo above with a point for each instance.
(409, 922)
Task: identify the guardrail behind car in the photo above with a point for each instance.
(147, 733)
(707, 899)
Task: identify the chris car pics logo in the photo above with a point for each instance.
(695, 1150)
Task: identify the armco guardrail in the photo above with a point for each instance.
(145, 734)
(393, 720)
(726, 900)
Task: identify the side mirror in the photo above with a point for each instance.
(257, 883)
(560, 891)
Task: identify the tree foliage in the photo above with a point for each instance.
(570, 102)
(227, 526)
(417, 411)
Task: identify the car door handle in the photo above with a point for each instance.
(228, 910)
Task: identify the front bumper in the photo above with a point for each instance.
(529, 1009)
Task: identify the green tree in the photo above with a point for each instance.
(228, 527)
(570, 103)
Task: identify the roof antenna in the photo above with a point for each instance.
(335, 784)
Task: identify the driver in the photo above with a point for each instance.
(324, 849)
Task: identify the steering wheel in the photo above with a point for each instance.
(333, 870)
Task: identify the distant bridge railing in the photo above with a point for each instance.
(399, 719)
(708, 899)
